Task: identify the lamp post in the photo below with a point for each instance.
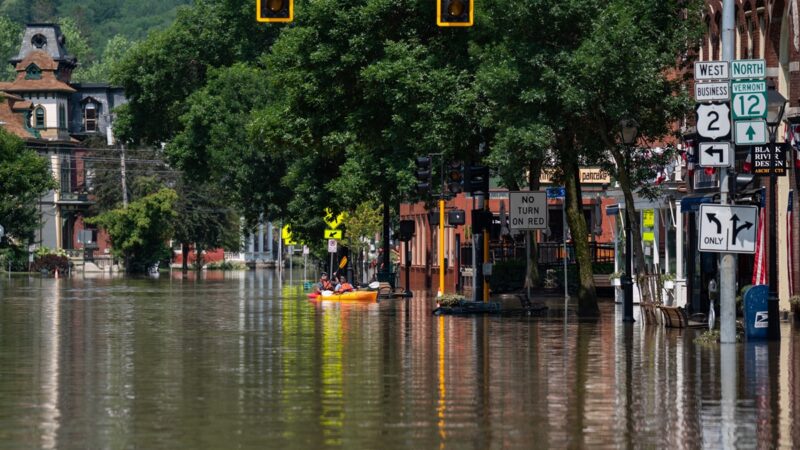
(629, 131)
(776, 103)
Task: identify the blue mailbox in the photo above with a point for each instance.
(755, 311)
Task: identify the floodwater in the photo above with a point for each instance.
(243, 360)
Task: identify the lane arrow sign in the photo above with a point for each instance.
(750, 133)
(736, 230)
(714, 151)
(712, 217)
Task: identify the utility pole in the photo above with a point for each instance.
(122, 175)
(727, 263)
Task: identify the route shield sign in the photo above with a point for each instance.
(749, 99)
(750, 132)
(713, 120)
(715, 154)
(528, 210)
(728, 229)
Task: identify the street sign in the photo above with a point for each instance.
(331, 245)
(761, 154)
(745, 69)
(528, 210)
(710, 70)
(728, 229)
(556, 192)
(332, 221)
(715, 154)
(749, 99)
(750, 132)
(306, 250)
(2, 231)
(713, 120)
(333, 234)
(712, 92)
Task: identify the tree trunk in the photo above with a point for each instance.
(587, 295)
(632, 216)
(185, 255)
(198, 260)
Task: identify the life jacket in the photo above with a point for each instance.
(346, 287)
(325, 286)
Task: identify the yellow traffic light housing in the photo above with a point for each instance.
(454, 13)
(275, 10)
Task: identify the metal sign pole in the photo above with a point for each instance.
(727, 263)
(564, 233)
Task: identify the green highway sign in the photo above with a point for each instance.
(748, 69)
(750, 132)
(749, 99)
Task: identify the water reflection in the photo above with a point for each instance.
(243, 359)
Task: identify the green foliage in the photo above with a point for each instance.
(10, 37)
(24, 177)
(361, 225)
(140, 232)
(205, 218)
(100, 70)
(51, 263)
(226, 265)
(160, 73)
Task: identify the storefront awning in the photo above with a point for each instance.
(691, 203)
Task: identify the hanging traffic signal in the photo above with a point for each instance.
(424, 176)
(455, 177)
(454, 13)
(274, 10)
(476, 179)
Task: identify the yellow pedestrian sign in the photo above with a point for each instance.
(333, 234)
(286, 235)
(332, 221)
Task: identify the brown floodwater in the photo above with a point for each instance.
(245, 360)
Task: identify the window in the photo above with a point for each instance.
(38, 40)
(90, 117)
(62, 117)
(39, 117)
(33, 72)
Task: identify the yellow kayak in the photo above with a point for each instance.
(353, 296)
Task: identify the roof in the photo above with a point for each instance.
(13, 116)
(38, 57)
(49, 38)
(45, 84)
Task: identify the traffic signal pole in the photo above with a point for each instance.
(441, 244)
(727, 264)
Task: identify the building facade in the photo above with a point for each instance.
(54, 116)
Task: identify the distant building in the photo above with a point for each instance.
(54, 116)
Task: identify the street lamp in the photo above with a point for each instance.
(629, 129)
(776, 103)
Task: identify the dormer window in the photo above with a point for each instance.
(38, 40)
(38, 115)
(33, 72)
(90, 117)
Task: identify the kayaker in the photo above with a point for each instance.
(343, 285)
(324, 284)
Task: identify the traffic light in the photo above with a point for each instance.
(476, 179)
(423, 174)
(455, 177)
(454, 13)
(274, 10)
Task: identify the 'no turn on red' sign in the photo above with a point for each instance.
(528, 210)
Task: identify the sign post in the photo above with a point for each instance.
(527, 211)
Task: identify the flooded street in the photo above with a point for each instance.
(243, 360)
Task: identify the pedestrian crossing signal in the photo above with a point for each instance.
(274, 10)
(454, 13)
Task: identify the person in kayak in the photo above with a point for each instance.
(324, 284)
(343, 285)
